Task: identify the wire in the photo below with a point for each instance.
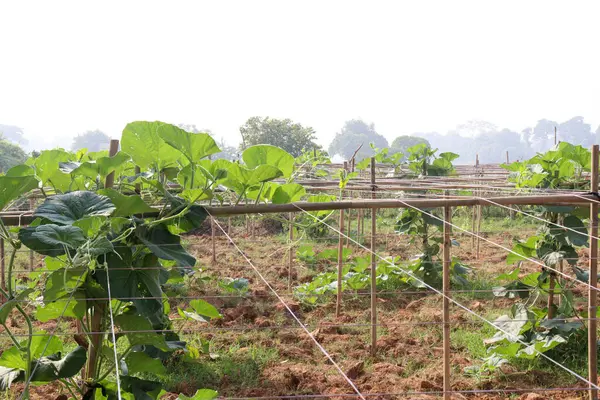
(293, 314)
(459, 304)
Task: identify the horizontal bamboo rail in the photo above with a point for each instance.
(12, 218)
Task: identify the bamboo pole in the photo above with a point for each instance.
(373, 266)
(593, 282)
(228, 226)
(98, 308)
(508, 162)
(11, 219)
(31, 207)
(291, 251)
(478, 239)
(349, 212)
(446, 306)
(2, 267)
(551, 284)
(473, 226)
(338, 303)
(212, 237)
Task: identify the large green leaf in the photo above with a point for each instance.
(288, 193)
(265, 154)
(194, 146)
(66, 307)
(67, 208)
(250, 177)
(97, 168)
(13, 187)
(577, 234)
(139, 331)
(201, 394)
(53, 367)
(164, 244)
(131, 280)
(140, 362)
(63, 282)
(126, 205)
(46, 167)
(148, 150)
(51, 240)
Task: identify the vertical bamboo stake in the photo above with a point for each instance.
(349, 230)
(338, 304)
(593, 281)
(551, 285)
(478, 229)
(373, 265)
(349, 211)
(228, 226)
(446, 289)
(473, 225)
(358, 218)
(2, 266)
(508, 162)
(31, 207)
(291, 251)
(212, 237)
(98, 309)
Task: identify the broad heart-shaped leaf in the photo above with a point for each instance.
(265, 154)
(51, 239)
(100, 167)
(201, 394)
(148, 150)
(66, 307)
(46, 167)
(132, 280)
(164, 244)
(53, 367)
(20, 170)
(204, 308)
(580, 236)
(13, 187)
(138, 361)
(250, 177)
(62, 283)
(126, 205)
(67, 208)
(139, 331)
(194, 146)
(288, 193)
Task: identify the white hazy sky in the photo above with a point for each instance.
(70, 66)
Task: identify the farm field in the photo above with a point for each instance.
(163, 274)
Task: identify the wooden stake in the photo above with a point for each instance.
(551, 285)
(338, 304)
(212, 237)
(446, 306)
(31, 207)
(473, 226)
(593, 282)
(479, 213)
(349, 230)
(291, 251)
(508, 162)
(98, 308)
(228, 226)
(2, 266)
(373, 266)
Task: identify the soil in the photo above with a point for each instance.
(408, 361)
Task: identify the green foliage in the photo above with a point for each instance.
(285, 134)
(422, 160)
(562, 167)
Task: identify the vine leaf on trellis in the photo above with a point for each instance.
(194, 146)
(201, 394)
(67, 208)
(13, 187)
(126, 205)
(51, 240)
(148, 150)
(140, 362)
(265, 154)
(164, 244)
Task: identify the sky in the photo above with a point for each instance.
(408, 66)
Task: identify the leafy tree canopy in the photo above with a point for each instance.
(10, 155)
(292, 137)
(355, 133)
(92, 140)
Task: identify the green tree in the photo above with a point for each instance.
(10, 155)
(92, 140)
(402, 143)
(354, 134)
(292, 137)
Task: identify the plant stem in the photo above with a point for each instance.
(12, 337)
(68, 386)
(27, 349)
(262, 185)
(125, 353)
(10, 270)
